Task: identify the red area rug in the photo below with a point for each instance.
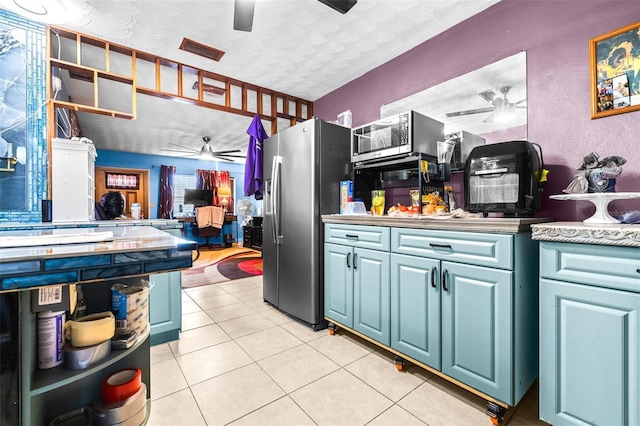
(232, 267)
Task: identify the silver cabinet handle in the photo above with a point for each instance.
(440, 246)
(445, 273)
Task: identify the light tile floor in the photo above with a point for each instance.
(239, 361)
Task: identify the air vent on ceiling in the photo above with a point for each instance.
(79, 76)
(200, 49)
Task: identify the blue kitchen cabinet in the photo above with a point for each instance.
(356, 269)
(415, 308)
(371, 306)
(454, 318)
(477, 328)
(464, 303)
(338, 288)
(589, 334)
(165, 307)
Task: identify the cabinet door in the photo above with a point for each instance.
(589, 355)
(477, 327)
(371, 305)
(338, 283)
(415, 308)
(165, 306)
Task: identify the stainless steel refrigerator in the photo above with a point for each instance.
(303, 167)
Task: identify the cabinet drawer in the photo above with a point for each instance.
(591, 264)
(467, 247)
(371, 237)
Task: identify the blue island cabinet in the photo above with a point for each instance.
(463, 303)
(589, 334)
(456, 319)
(165, 307)
(460, 304)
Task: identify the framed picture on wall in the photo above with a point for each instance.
(615, 72)
(122, 180)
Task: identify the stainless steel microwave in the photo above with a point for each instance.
(396, 136)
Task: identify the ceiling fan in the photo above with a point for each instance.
(500, 109)
(207, 153)
(243, 11)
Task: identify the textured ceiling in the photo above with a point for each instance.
(299, 47)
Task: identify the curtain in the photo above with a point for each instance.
(213, 179)
(167, 175)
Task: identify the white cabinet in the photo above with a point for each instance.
(72, 180)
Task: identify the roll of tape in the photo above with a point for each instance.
(81, 358)
(129, 412)
(92, 329)
(121, 385)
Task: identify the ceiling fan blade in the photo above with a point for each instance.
(185, 147)
(470, 111)
(224, 158)
(179, 151)
(487, 95)
(226, 151)
(243, 15)
(342, 6)
(231, 156)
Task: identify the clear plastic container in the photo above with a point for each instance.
(355, 207)
(135, 210)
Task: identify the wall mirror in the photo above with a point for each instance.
(490, 102)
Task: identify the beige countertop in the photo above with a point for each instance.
(469, 224)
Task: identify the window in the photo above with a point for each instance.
(180, 183)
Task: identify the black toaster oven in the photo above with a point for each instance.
(504, 178)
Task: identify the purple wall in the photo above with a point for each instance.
(555, 35)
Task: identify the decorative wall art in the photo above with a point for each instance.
(122, 180)
(615, 72)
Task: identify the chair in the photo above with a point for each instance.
(206, 232)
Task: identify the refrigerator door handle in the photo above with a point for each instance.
(275, 195)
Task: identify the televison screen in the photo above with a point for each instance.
(198, 197)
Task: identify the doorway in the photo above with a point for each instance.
(132, 183)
